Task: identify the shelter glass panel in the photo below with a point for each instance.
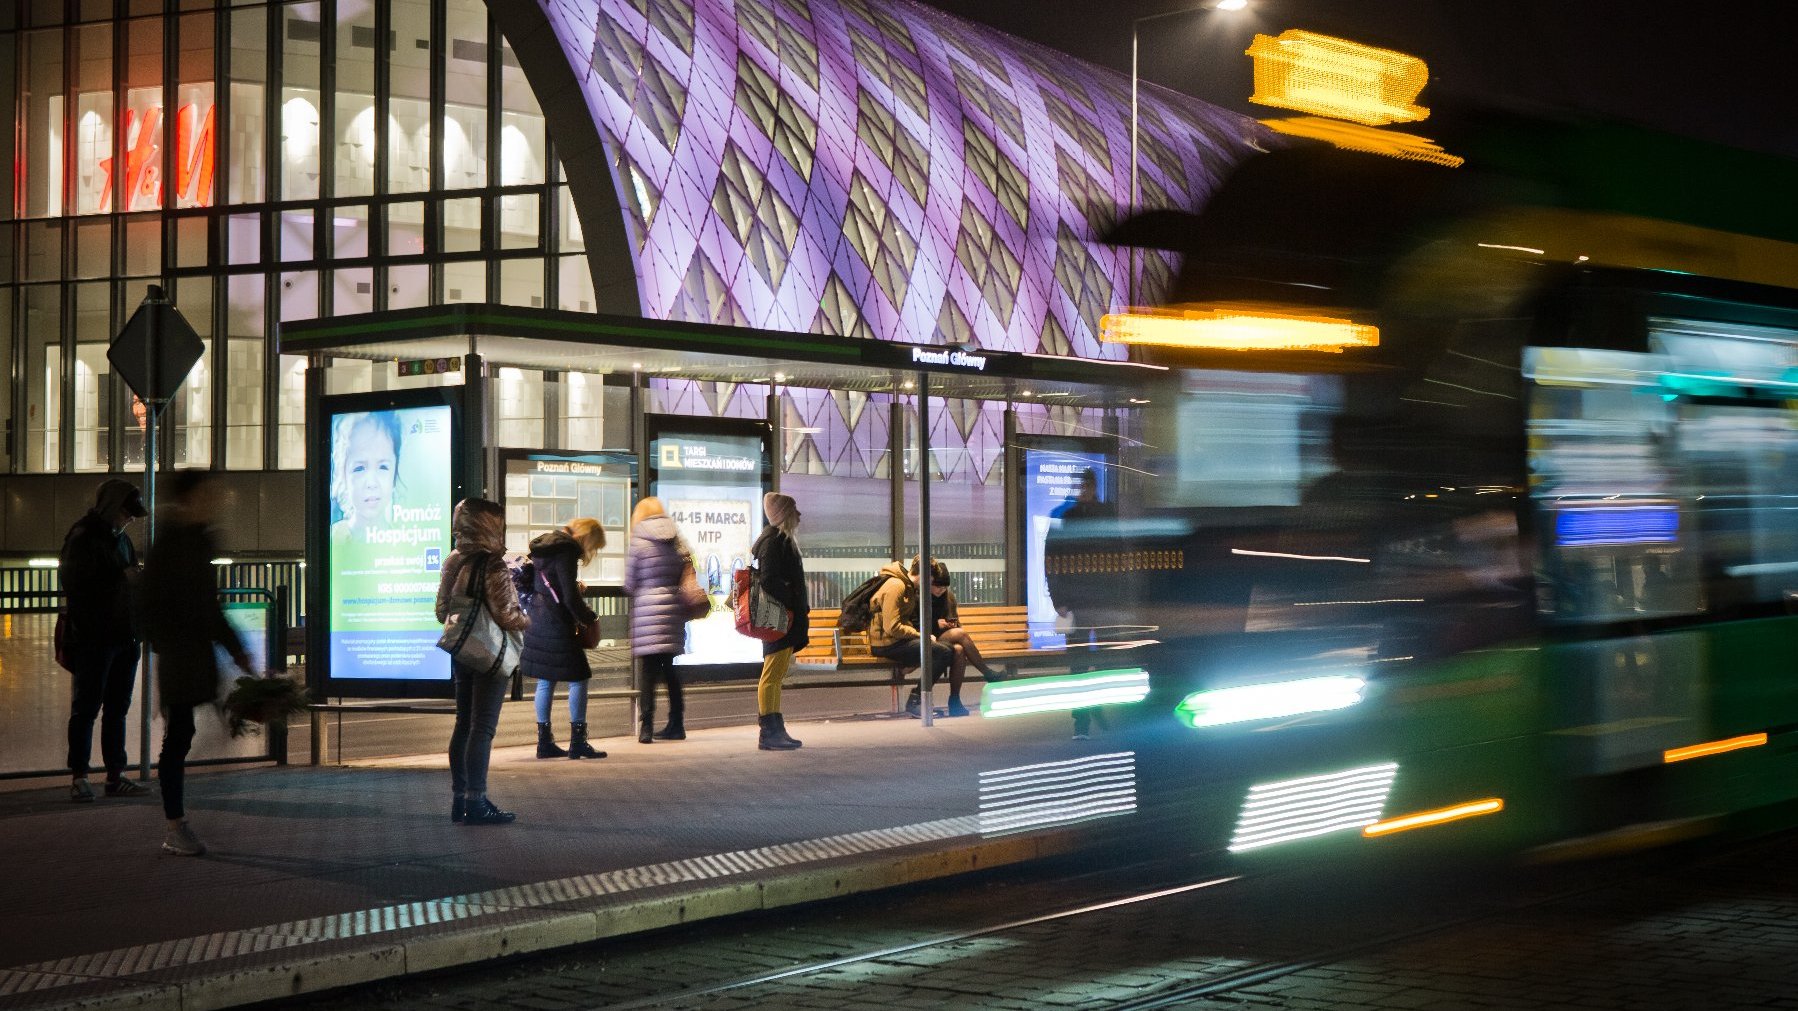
(967, 494)
(836, 465)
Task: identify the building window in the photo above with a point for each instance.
(246, 354)
(249, 85)
(300, 155)
(93, 376)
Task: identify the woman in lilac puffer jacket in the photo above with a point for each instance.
(658, 622)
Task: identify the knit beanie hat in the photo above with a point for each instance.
(780, 508)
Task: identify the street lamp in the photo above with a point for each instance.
(1135, 84)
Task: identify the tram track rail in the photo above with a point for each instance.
(1216, 986)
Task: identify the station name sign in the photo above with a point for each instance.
(955, 359)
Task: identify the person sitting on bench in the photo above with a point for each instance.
(892, 635)
(948, 625)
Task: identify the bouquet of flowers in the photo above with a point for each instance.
(257, 701)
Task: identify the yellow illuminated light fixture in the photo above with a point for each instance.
(1350, 90)
(1441, 815)
(1228, 328)
(1672, 755)
(1307, 72)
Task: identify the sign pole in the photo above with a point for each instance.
(146, 706)
(153, 355)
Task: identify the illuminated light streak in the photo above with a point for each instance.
(1223, 706)
(1438, 816)
(1368, 140)
(1350, 603)
(1312, 806)
(1672, 755)
(1301, 558)
(1234, 328)
(1057, 793)
(1061, 692)
(1519, 249)
(1760, 568)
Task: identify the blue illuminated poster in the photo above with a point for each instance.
(390, 502)
(1053, 482)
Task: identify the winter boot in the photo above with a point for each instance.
(546, 743)
(913, 703)
(646, 728)
(780, 728)
(773, 737)
(676, 730)
(577, 743)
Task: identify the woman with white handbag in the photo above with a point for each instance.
(483, 626)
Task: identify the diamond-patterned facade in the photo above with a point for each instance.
(893, 144)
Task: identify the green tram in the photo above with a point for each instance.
(1523, 575)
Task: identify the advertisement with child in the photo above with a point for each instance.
(390, 505)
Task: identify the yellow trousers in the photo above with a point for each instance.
(774, 671)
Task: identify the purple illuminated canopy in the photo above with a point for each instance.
(876, 168)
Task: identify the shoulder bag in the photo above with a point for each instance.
(585, 636)
(759, 615)
(470, 635)
(695, 603)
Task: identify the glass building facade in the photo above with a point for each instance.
(264, 162)
(857, 168)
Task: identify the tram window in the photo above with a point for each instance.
(1738, 448)
(1615, 541)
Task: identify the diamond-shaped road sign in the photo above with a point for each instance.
(156, 349)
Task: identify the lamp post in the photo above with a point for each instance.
(1135, 104)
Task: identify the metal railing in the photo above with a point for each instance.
(26, 588)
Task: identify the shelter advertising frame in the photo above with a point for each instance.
(1050, 468)
(389, 468)
(717, 505)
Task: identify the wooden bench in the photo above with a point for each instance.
(1001, 631)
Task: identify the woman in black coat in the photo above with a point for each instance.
(557, 609)
(781, 573)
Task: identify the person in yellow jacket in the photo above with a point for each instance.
(892, 634)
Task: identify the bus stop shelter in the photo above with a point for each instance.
(467, 346)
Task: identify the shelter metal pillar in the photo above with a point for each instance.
(925, 625)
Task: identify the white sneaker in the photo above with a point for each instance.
(182, 842)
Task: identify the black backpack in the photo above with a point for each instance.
(858, 610)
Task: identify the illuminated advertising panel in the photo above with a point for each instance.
(710, 477)
(390, 488)
(1054, 479)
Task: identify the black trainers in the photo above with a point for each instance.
(956, 708)
(126, 788)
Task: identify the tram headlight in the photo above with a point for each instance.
(1222, 706)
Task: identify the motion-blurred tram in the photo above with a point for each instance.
(1524, 572)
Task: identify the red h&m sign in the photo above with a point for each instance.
(195, 159)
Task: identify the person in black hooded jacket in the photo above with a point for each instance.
(97, 567)
(185, 622)
(557, 611)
